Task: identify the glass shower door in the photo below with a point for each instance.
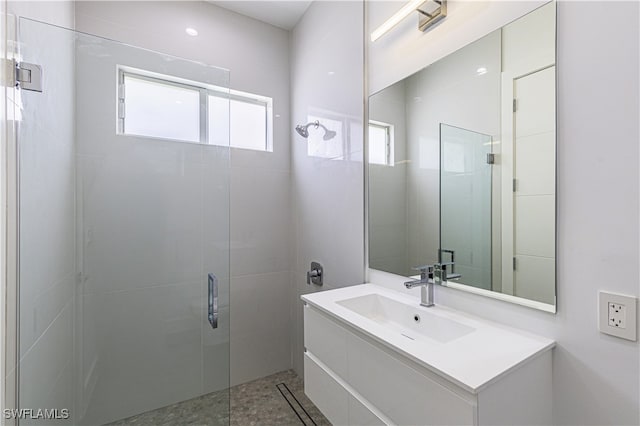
(465, 203)
(123, 233)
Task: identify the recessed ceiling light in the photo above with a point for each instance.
(481, 70)
(331, 73)
(191, 31)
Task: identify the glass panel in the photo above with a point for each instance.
(465, 203)
(248, 123)
(162, 110)
(218, 121)
(117, 238)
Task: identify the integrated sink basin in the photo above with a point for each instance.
(461, 348)
(406, 319)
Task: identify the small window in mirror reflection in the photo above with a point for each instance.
(380, 143)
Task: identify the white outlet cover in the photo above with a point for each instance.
(630, 319)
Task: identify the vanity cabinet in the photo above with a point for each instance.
(356, 380)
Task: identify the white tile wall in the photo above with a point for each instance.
(260, 318)
(327, 193)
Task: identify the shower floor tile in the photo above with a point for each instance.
(276, 400)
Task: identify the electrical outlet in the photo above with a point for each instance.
(617, 315)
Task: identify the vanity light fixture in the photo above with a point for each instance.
(430, 12)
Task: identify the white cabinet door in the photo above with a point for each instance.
(326, 393)
(402, 393)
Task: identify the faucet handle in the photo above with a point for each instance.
(423, 268)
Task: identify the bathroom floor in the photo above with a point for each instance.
(278, 399)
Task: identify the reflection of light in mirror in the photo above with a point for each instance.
(191, 31)
(481, 70)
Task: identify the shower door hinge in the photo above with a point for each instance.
(515, 185)
(491, 158)
(29, 76)
(515, 105)
(514, 263)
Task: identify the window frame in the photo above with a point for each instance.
(389, 142)
(204, 90)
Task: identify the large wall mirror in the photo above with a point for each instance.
(462, 164)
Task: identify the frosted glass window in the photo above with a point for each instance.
(176, 109)
(218, 120)
(379, 144)
(248, 122)
(161, 109)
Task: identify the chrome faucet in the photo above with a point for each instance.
(426, 282)
(442, 266)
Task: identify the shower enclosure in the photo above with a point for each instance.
(123, 245)
(466, 203)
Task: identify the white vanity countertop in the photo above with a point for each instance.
(472, 361)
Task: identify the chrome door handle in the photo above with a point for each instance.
(213, 301)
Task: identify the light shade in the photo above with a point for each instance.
(430, 13)
(406, 10)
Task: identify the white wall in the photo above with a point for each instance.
(47, 264)
(595, 375)
(257, 56)
(327, 192)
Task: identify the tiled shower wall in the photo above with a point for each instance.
(327, 176)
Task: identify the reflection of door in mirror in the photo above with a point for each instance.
(465, 202)
(534, 185)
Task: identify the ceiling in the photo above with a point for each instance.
(283, 14)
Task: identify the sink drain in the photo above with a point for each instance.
(416, 318)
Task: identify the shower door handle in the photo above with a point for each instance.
(213, 301)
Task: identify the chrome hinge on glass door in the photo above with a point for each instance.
(28, 76)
